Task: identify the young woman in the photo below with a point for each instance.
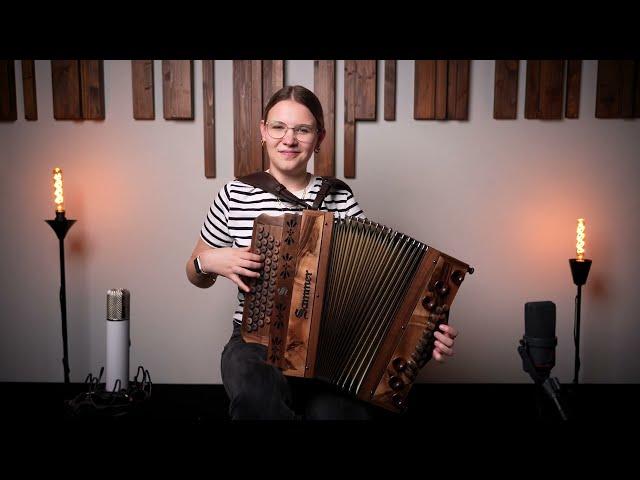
(292, 130)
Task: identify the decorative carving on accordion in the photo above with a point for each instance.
(348, 301)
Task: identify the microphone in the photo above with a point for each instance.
(540, 337)
(118, 341)
(538, 348)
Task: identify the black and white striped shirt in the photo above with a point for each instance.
(229, 221)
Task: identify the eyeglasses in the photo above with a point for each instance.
(303, 133)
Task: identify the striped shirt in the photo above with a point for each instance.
(229, 221)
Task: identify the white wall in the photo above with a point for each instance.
(502, 195)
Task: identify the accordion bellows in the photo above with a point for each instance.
(348, 301)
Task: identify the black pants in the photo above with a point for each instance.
(258, 390)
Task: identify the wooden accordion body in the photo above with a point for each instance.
(348, 301)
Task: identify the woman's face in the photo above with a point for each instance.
(289, 154)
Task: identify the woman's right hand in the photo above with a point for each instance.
(233, 263)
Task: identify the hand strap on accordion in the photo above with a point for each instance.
(268, 183)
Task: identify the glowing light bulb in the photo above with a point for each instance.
(57, 189)
(580, 240)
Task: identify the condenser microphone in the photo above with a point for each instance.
(117, 340)
(540, 336)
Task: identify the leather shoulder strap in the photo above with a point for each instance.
(327, 184)
(266, 182)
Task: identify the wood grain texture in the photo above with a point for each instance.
(177, 91)
(532, 90)
(143, 91)
(458, 90)
(636, 102)
(272, 81)
(8, 106)
(390, 77)
(324, 81)
(349, 118)
(247, 112)
(442, 84)
(551, 89)
(574, 76)
(424, 97)
(366, 89)
(92, 89)
(29, 90)
(505, 96)
(67, 99)
(208, 113)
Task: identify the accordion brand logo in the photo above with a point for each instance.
(302, 311)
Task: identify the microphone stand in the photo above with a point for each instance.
(61, 226)
(551, 386)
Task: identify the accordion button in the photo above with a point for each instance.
(268, 260)
(457, 277)
(276, 250)
(399, 364)
(259, 236)
(397, 400)
(277, 243)
(437, 286)
(261, 309)
(267, 320)
(427, 303)
(396, 383)
(263, 242)
(268, 253)
(267, 269)
(260, 228)
(269, 311)
(260, 323)
(444, 290)
(249, 320)
(271, 239)
(445, 308)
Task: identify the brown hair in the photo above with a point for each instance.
(299, 94)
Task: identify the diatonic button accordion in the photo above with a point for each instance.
(348, 301)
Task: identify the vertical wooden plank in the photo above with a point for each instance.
(390, 90)
(608, 90)
(627, 88)
(177, 92)
(8, 106)
(65, 79)
(349, 118)
(258, 161)
(272, 78)
(324, 85)
(143, 90)
(245, 133)
(208, 103)
(574, 74)
(636, 103)
(92, 89)
(505, 95)
(463, 70)
(532, 90)
(442, 87)
(272, 81)
(551, 85)
(29, 90)
(366, 89)
(424, 95)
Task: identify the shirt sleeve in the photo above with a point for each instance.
(215, 230)
(353, 208)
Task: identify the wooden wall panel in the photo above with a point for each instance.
(627, 89)
(505, 97)
(458, 90)
(636, 102)
(349, 118)
(246, 133)
(143, 90)
(551, 89)
(8, 107)
(177, 96)
(92, 89)
(65, 79)
(390, 89)
(574, 74)
(442, 75)
(272, 81)
(208, 103)
(29, 90)
(366, 89)
(424, 98)
(324, 85)
(544, 90)
(532, 89)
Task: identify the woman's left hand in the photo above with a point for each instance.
(443, 345)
